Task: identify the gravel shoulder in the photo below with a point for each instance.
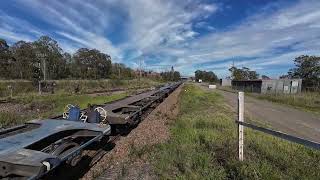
(286, 119)
(154, 129)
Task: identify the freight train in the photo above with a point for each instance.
(35, 148)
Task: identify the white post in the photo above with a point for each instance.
(240, 127)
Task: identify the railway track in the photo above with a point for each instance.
(75, 141)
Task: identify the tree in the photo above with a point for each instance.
(6, 60)
(206, 76)
(70, 65)
(176, 76)
(25, 57)
(50, 55)
(243, 74)
(170, 76)
(285, 76)
(120, 70)
(93, 64)
(308, 69)
(265, 77)
(3, 45)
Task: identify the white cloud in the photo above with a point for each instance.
(154, 24)
(167, 31)
(80, 22)
(209, 7)
(266, 39)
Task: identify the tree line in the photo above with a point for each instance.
(45, 59)
(207, 76)
(170, 76)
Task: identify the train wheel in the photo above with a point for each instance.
(66, 148)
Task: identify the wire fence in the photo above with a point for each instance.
(279, 134)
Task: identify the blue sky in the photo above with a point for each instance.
(264, 35)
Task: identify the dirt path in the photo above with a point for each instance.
(154, 129)
(280, 117)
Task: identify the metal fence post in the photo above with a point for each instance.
(240, 127)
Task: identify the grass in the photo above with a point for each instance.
(47, 105)
(51, 105)
(203, 146)
(23, 87)
(306, 101)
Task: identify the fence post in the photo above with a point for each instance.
(240, 127)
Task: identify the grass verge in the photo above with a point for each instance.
(203, 146)
(306, 101)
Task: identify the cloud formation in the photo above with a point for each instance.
(166, 32)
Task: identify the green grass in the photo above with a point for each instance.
(51, 105)
(9, 119)
(25, 93)
(203, 145)
(306, 101)
(23, 87)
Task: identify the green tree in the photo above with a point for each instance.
(170, 76)
(265, 77)
(6, 60)
(176, 76)
(308, 69)
(120, 70)
(243, 74)
(207, 76)
(50, 55)
(25, 57)
(92, 64)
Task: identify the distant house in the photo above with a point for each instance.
(286, 86)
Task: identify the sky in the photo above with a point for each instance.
(264, 35)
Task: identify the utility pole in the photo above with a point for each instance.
(43, 60)
(171, 73)
(139, 72)
(119, 71)
(44, 69)
(39, 79)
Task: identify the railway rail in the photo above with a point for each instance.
(39, 147)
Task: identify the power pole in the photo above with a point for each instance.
(139, 72)
(44, 70)
(39, 79)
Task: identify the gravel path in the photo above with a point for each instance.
(280, 117)
(154, 129)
